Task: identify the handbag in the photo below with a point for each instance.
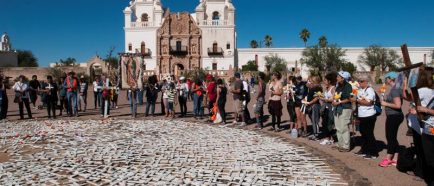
(18, 97)
(105, 93)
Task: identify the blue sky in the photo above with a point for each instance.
(57, 29)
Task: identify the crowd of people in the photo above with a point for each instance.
(337, 105)
(67, 94)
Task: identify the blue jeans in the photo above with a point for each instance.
(132, 96)
(103, 102)
(197, 105)
(72, 103)
(140, 96)
(150, 104)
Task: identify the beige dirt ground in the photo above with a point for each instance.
(356, 169)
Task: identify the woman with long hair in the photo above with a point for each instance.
(290, 101)
(314, 92)
(222, 92)
(275, 102)
(300, 94)
(423, 134)
(328, 122)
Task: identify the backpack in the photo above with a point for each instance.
(377, 104)
(408, 162)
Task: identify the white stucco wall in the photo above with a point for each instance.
(295, 54)
(149, 36)
(222, 63)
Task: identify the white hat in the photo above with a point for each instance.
(182, 78)
(345, 75)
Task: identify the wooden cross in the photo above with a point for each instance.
(408, 66)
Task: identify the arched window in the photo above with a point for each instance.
(215, 15)
(144, 17)
(130, 47)
(214, 47)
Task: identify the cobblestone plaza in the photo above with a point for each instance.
(160, 152)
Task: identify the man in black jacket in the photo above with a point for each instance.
(50, 89)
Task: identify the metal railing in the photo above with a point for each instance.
(215, 51)
(178, 50)
(215, 22)
(141, 24)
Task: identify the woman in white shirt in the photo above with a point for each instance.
(367, 117)
(21, 89)
(97, 92)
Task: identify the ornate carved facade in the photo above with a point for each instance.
(178, 45)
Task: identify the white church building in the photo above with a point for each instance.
(217, 42)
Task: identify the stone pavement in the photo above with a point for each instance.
(153, 152)
(353, 168)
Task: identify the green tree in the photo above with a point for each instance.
(304, 35)
(432, 56)
(56, 73)
(376, 55)
(349, 67)
(322, 41)
(250, 66)
(321, 59)
(196, 74)
(276, 63)
(254, 44)
(26, 59)
(268, 41)
(67, 62)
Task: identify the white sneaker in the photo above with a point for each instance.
(325, 142)
(242, 124)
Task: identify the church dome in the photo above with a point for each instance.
(230, 5)
(127, 9)
(201, 6)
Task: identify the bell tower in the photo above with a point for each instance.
(216, 18)
(142, 19)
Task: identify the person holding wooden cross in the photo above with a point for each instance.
(423, 128)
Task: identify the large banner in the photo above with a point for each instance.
(131, 71)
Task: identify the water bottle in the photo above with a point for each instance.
(294, 133)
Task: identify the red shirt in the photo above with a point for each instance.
(189, 83)
(212, 91)
(72, 84)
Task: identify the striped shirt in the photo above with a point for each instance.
(171, 94)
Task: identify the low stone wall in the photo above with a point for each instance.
(41, 72)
